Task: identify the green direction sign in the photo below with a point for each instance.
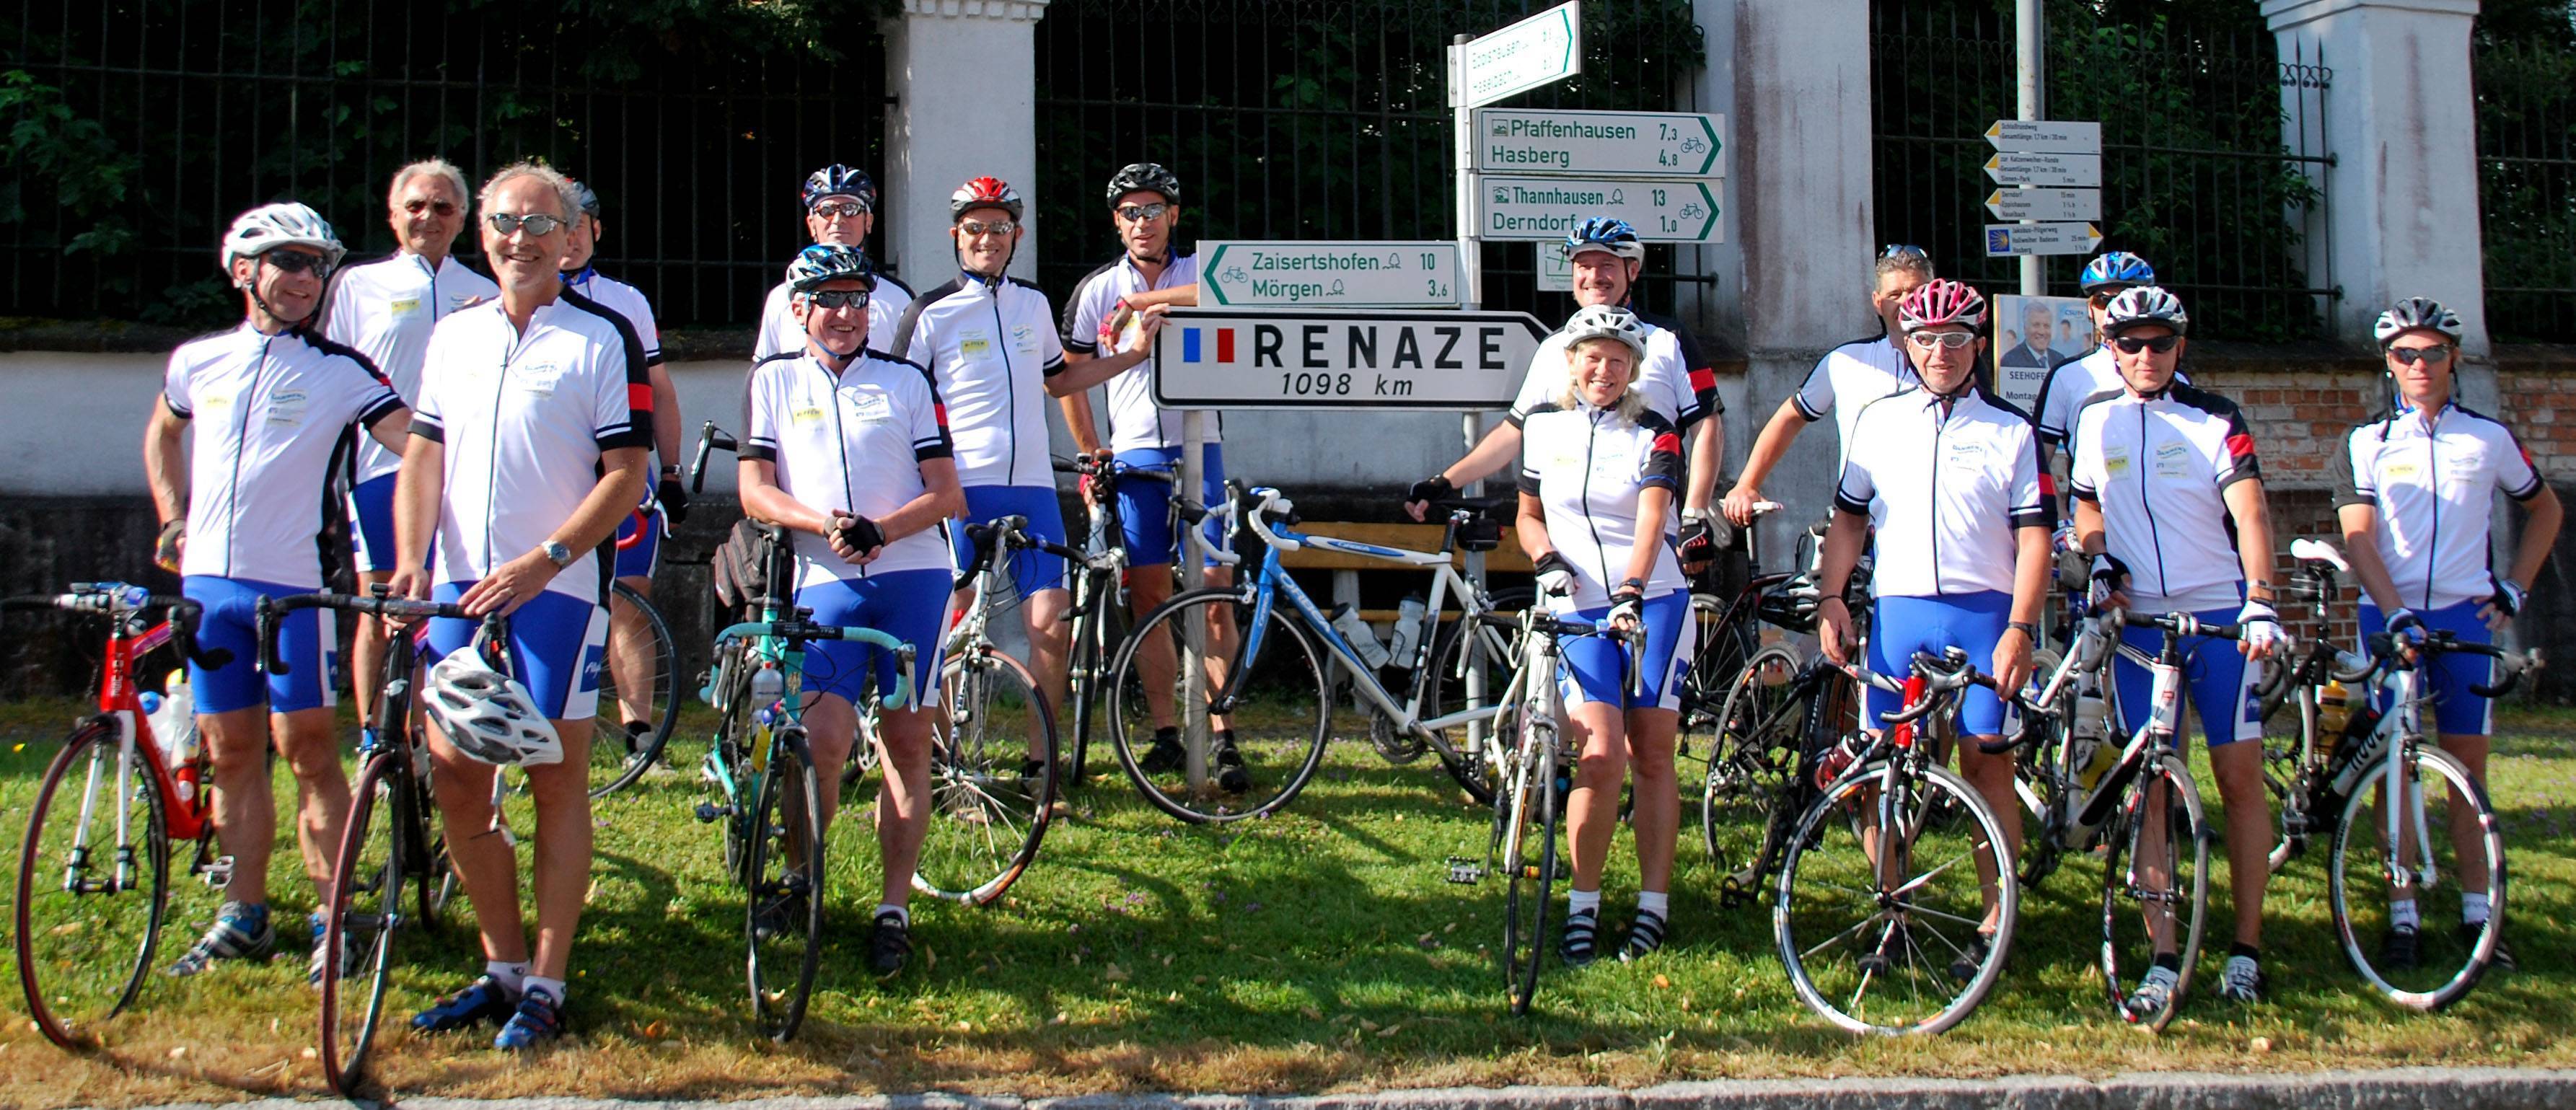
(1650, 144)
(1535, 51)
(1329, 274)
(1543, 208)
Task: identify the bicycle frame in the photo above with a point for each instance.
(187, 805)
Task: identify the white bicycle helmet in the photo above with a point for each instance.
(279, 225)
(1603, 321)
(2418, 312)
(2141, 305)
(487, 714)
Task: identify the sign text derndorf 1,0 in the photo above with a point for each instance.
(1354, 359)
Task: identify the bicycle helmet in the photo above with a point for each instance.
(1605, 233)
(984, 192)
(1941, 302)
(583, 198)
(2418, 312)
(277, 225)
(825, 262)
(2145, 304)
(487, 714)
(1603, 321)
(2117, 270)
(1144, 177)
(837, 180)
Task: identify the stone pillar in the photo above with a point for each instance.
(963, 77)
(2401, 202)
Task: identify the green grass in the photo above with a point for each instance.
(1317, 950)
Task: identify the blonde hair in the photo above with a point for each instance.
(1630, 403)
(554, 181)
(439, 168)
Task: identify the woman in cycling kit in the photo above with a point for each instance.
(1599, 475)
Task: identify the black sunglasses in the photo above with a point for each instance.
(835, 298)
(2161, 344)
(296, 262)
(2409, 356)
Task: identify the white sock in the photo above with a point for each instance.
(1655, 902)
(1582, 901)
(900, 913)
(514, 977)
(2402, 915)
(2473, 909)
(554, 988)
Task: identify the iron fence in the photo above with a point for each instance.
(1302, 119)
(2527, 187)
(136, 129)
(2196, 175)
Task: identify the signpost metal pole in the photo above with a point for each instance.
(2030, 62)
(1193, 553)
(1471, 295)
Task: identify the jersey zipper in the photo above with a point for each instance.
(1010, 383)
(241, 443)
(1600, 550)
(2146, 504)
(1940, 425)
(2433, 486)
(492, 458)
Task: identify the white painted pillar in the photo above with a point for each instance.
(963, 76)
(2401, 215)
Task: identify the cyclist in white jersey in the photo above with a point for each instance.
(840, 204)
(639, 538)
(2071, 383)
(1673, 378)
(241, 510)
(385, 309)
(849, 450)
(1848, 378)
(535, 419)
(2414, 490)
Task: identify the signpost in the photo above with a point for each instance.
(2052, 168)
(1535, 208)
(2054, 172)
(1650, 144)
(2081, 137)
(1326, 274)
(2046, 204)
(1542, 49)
(1555, 270)
(1343, 359)
(2039, 239)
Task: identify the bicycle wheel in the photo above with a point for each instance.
(1281, 718)
(1459, 650)
(618, 753)
(90, 908)
(783, 907)
(1527, 816)
(1892, 945)
(1718, 659)
(992, 779)
(2039, 783)
(2450, 959)
(366, 904)
(2155, 886)
(1750, 761)
(2287, 743)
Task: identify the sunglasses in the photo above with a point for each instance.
(1903, 250)
(2101, 300)
(2161, 344)
(1143, 213)
(417, 206)
(296, 262)
(834, 211)
(536, 223)
(1950, 339)
(978, 227)
(829, 299)
(2409, 356)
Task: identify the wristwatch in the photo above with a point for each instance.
(2025, 628)
(556, 553)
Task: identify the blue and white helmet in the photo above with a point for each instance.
(827, 262)
(2117, 270)
(1605, 233)
(837, 180)
(2414, 313)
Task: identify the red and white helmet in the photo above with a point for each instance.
(983, 192)
(1941, 302)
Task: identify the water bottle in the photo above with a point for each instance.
(2090, 754)
(766, 683)
(1408, 632)
(1839, 759)
(1363, 640)
(173, 718)
(2355, 754)
(2334, 708)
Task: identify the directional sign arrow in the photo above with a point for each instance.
(1329, 274)
(2046, 204)
(1543, 48)
(1341, 359)
(1652, 144)
(2029, 239)
(1542, 208)
(2046, 168)
(2043, 134)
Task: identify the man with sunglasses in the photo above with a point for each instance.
(241, 508)
(840, 205)
(535, 419)
(1846, 379)
(2072, 382)
(2414, 491)
(630, 640)
(385, 309)
(2169, 506)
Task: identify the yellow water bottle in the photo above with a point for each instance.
(2093, 755)
(2334, 708)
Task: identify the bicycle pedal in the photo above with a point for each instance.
(218, 872)
(709, 813)
(1465, 872)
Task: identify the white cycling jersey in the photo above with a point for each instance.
(780, 333)
(1945, 485)
(990, 347)
(2158, 467)
(1675, 380)
(2071, 384)
(2432, 478)
(268, 410)
(1588, 466)
(525, 419)
(623, 299)
(1851, 376)
(1135, 420)
(851, 441)
(384, 309)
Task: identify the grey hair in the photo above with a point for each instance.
(553, 180)
(1631, 403)
(1918, 264)
(439, 168)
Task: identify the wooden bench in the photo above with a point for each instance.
(1347, 568)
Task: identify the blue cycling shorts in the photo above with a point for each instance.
(307, 639)
(909, 605)
(2447, 678)
(1595, 668)
(1973, 623)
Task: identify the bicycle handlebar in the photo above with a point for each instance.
(273, 660)
(904, 653)
(2182, 624)
(2383, 648)
(709, 437)
(113, 599)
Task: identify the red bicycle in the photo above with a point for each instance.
(94, 875)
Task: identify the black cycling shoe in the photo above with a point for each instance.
(2401, 948)
(1889, 951)
(2499, 960)
(1166, 755)
(1963, 967)
(889, 943)
(1230, 774)
(1578, 941)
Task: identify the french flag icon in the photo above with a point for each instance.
(1196, 344)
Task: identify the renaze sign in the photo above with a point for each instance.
(1336, 359)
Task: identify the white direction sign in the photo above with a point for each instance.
(2065, 238)
(1342, 359)
(2046, 134)
(2046, 204)
(1328, 274)
(1543, 208)
(2083, 171)
(1535, 51)
(1555, 270)
(1652, 144)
